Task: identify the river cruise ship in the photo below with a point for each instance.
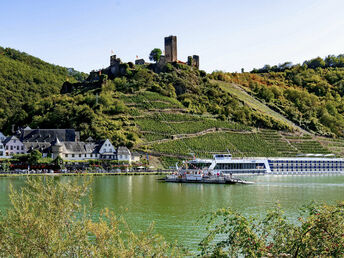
(222, 164)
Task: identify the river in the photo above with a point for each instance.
(175, 208)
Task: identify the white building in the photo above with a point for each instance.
(83, 150)
(107, 150)
(123, 154)
(2, 150)
(13, 146)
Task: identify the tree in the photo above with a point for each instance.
(155, 54)
(5, 166)
(319, 232)
(47, 219)
(58, 162)
(34, 157)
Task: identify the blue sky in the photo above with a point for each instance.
(227, 35)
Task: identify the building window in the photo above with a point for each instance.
(6, 147)
(72, 155)
(79, 155)
(66, 155)
(17, 147)
(11, 147)
(22, 147)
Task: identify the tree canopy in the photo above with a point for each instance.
(155, 54)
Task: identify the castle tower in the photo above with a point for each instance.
(56, 148)
(171, 48)
(195, 59)
(113, 60)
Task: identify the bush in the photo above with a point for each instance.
(318, 233)
(47, 219)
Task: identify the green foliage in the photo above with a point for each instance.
(161, 124)
(155, 54)
(239, 144)
(318, 233)
(34, 157)
(47, 219)
(310, 95)
(25, 79)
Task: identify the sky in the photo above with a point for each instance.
(227, 34)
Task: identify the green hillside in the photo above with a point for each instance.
(180, 111)
(310, 95)
(25, 79)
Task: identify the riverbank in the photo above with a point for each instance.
(89, 174)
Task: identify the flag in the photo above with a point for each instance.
(137, 57)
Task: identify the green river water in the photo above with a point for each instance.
(175, 208)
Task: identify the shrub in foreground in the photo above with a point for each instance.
(319, 232)
(47, 219)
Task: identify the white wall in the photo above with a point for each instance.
(107, 147)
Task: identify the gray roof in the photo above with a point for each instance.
(10, 138)
(122, 150)
(79, 147)
(47, 135)
(41, 146)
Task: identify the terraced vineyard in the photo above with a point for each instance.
(263, 143)
(150, 100)
(310, 146)
(159, 123)
(239, 144)
(173, 133)
(335, 146)
(275, 140)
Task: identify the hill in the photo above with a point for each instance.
(25, 79)
(182, 110)
(310, 95)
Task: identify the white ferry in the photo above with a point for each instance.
(223, 164)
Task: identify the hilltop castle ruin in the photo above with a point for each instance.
(118, 68)
(171, 56)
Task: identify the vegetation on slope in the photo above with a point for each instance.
(48, 218)
(160, 112)
(25, 79)
(119, 108)
(311, 94)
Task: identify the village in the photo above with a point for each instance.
(63, 146)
